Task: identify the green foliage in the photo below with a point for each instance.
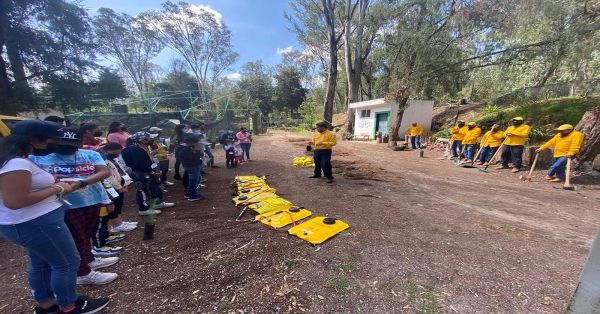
(441, 134)
(491, 108)
(256, 82)
(110, 86)
(340, 283)
(423, 298)
(288, 92)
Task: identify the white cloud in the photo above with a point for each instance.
(288, 49)
(235, 76)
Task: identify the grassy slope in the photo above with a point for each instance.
(543, 116)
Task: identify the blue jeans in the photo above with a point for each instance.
(470, 151)
(456, 148)
(322, 159)
(415, 142)
(558, 168)
(246, 149)
(53, 257)
(210, 155)
(514, 154)
(487, 153)
(193, 176)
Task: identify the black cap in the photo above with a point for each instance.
(323, 124)
(71, 137)
(38, 128)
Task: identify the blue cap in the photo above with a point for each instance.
(38, 128)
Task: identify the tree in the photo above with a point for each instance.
(288, 92)
(590, 127)
(40, 40)
(67, 93)
(110, 86)
(127, 41)
(316, 26)
(200, 39)
(256, 83)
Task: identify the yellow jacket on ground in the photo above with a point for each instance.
(519, 135)
(565, 145)
(472, 136)
(492, 139)
(458, 133)
(325, 140)
(415, 130)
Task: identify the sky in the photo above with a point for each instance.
(259, 28)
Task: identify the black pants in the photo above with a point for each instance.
(101, 233)
(177, 167)
(164, 168)
(322, 159)
(118, 202)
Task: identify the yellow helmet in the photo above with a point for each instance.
(472, 124)
(518, 119)
(565, 127)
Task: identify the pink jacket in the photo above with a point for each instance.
(244, 137)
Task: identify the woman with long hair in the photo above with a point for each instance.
(32, 217)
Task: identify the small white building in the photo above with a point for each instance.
(378, 115)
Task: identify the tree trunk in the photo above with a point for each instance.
(5, 90)
(589, 125)
(396, 126)
(329, 13)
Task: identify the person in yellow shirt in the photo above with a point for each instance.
(470, 140)
(516, 135)
(567, 144)
(322, 142)
(415, 131)
(490, 143)
(458, 133)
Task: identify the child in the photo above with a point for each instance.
(120, 181)
(239, 153)
(191, 158)
(229, 154)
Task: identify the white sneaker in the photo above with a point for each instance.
(167, 183)
(134, 223)
(102, 262)
(163, 205)
(96, 278)
(123, 227)
(150, 212)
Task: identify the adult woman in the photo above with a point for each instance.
(117, 133)
(91, 132)
(245, 139)
(31, 216)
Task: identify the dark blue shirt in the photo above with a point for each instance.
(137, 159)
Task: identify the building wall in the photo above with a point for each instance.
(419, 111)
(366, 126)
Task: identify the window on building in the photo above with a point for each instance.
(365, 113)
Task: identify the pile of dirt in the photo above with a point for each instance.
(357, 170)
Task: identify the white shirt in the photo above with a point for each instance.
(40, 180)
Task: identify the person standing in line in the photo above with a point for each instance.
(489, 144)
(159, 149)
(516, 135)
(32, 216)
(458, 133)
(226, 137)
(415, 131)
(117, 133)
(566, 144)
(176, 143)
(322, 142)
(207, 149)
(245, 139)
(86, 169)
(191, 159)
(470, 140)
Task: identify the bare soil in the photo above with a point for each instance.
(425, 236)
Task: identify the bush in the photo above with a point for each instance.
(441, 134)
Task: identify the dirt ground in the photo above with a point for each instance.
(425, 236)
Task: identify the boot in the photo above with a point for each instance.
(148, 232)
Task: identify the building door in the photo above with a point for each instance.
(382, 122)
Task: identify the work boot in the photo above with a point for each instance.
(502, 167)
(515, 170)
(548, 178)
(148, 232)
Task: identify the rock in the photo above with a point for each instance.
(596, 163)
(544, 160)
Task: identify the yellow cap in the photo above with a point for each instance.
(564, 127)
(518, 118)
(472, 124)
